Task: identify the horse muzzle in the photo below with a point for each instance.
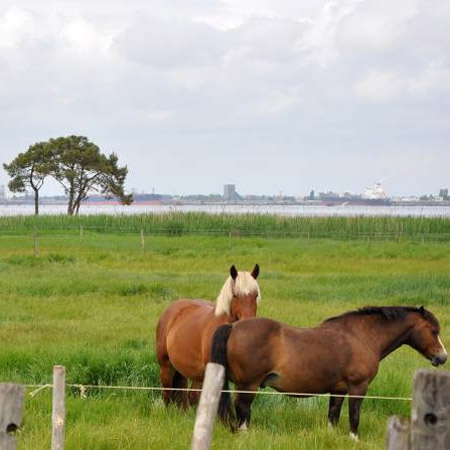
(439, 359)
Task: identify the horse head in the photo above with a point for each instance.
(425, 339)
(239, 296)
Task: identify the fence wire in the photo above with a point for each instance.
(84, 387)
(94, 231)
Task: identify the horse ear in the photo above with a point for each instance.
(233, 272)
(255, 272)
(422, 310)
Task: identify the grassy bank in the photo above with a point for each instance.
(358, 227)
(92, 304)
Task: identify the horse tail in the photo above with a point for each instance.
(219, 356)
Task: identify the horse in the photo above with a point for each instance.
(184, 333)
(340, 356)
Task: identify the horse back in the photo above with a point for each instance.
(251, 348)
(319, 359)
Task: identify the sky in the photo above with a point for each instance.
(273, 96)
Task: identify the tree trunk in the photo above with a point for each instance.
(36, 202)
(76, 204)
(70, 206)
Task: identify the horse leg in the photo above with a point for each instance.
(354, 406)
(243, 405)
(194, 395)
(166, 375)
(334, 410)
(180, 397)
(167, 371)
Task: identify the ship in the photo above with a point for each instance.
(375, 195)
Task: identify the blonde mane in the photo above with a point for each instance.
(244, 284)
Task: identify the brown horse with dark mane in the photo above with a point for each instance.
(340, 356)
(184, 332)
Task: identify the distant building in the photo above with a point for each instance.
(2, 193)
(229, 192)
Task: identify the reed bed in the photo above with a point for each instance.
(182, 223)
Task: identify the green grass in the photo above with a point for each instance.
(92, 305)
(185, 223)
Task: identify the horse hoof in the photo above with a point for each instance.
(242, 428)
(354, 437)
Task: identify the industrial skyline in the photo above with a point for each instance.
(372, 195)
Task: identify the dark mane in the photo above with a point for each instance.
(388, 312)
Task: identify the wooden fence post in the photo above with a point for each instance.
(397, 433)
(58, 410)
(142, 240)
(208, 406)
(36, 247)
(11, 408)
(430, 415)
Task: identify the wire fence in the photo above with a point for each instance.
(84, 232)
(84, 387)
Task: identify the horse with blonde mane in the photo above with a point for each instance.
(184, 333)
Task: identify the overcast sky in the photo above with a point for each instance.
(272, 95)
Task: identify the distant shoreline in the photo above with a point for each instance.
(305, 210)
(386, 203)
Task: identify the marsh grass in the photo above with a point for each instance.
(194, 223)
(92, 305)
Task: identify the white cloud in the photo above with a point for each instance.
(434, 78)
(84, 37)
(384, 86)
(378, 86)
(164, 43)
(266, 39)
(376, 25)
(278, 103)
(292, 9)
(156, 116)
(17, 28)
(409, 162)
(319, 41)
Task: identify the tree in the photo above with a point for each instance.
(29, 169)
(81, 168)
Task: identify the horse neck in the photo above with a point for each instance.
(230, 318)
(225, 318)
(385, 336)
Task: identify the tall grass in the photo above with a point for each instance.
(186, 223)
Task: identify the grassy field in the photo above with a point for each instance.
(92, 304)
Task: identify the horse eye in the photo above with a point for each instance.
(434, 333)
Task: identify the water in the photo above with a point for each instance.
(282, 210)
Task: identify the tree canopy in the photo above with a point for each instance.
(76, 164)
(81, 169)
(29, 169)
